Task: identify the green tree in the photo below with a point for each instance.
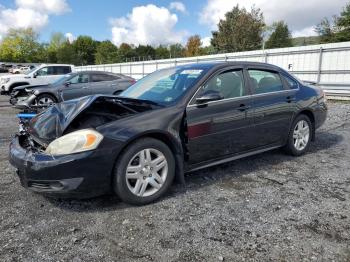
(326, 30)
(20, 45)
(66, 54)
(239, 31)
(144, 52)
(193, 46)
(57, 40)
(343, 25)
(126, 52)
(162, 52)
(85, 49)
(106, 53)
(176, 50)
(280, 37)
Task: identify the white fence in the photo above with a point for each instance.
(326, 64)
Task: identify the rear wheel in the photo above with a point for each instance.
(299, 136)
(144, 171)
(45, 100)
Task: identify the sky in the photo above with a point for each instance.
(153, 22)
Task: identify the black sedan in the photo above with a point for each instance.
(70, 86)
(172, 121)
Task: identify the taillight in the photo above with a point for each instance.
(133, 81)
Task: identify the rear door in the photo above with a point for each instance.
(78, 86)
(101, 83)
(274, 106)
(220, 128)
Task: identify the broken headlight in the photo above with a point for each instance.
(78, 141)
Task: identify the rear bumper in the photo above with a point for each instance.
(77, 175)
(320, 114)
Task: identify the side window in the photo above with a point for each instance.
(292, 84)
(265, 81)
(98, 78)
(62, 70)
(228, 84)
(42, 72)
(110, 77)
(79, 79)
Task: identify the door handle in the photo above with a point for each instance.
(243, 107)
(84, 87)
(290, 99)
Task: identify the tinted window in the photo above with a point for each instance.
(291, 82)
(265, 81)
(62, 70)
(79, 79)
(229, 84)
(98, 78)
(110, 77)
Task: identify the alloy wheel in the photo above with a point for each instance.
(301, 135)
(45, 101)
(146, 172)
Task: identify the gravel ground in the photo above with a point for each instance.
(266, 207)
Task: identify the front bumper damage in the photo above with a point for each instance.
(83, 174)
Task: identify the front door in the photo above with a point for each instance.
(219, 128)
(77, 86)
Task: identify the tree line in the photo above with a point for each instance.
(240, 30)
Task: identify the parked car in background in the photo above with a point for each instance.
(70, 86)
(42, 75)
(172, 121)
(4, 68)
(21, 70)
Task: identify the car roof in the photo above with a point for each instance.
(100, 72)
(208, 65)
(55, 65)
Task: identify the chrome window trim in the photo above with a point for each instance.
(241, 97)
(189, 105)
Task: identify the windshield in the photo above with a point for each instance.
(164, 86)
(62, 79)
(30, 71)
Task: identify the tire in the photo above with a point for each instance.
(142, 177)
(45, 97)
(293, 147)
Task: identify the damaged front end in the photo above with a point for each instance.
(60, 151)
(73, 115)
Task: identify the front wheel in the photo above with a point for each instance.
(144, 171)
(45, 100)
(299, 136)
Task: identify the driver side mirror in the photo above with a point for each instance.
(35, 75)
(67, 83)
(208, 97)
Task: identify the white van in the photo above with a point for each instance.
(42, 75)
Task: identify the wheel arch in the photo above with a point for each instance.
(50, 94)
(311, 116)
(173, 145)
(12, 86)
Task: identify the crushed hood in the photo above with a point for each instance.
(51, 123)
(54, 121)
